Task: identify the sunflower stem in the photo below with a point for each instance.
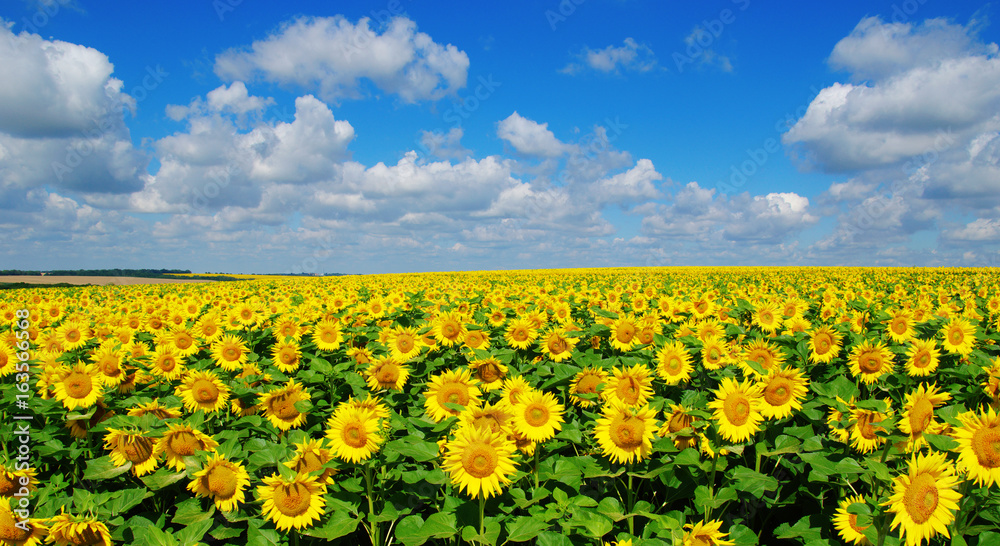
(537, 449)
(631, 501)
(373, 525)
(482, 514)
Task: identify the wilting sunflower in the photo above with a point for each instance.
(922, 357)
(783, 391)
(767, 355)
(737, 409)
(18, 531)
(590, 380)
(870, 360)
(354, 433)
(223, 481)
(12, 480)
(66, 530)
(490, 373)
(279, 405)
(924, 499)
(537, 416)
(155, 408)
(386, 373)
(557, 346)
(292, 503)
(706, 534)
(451, 386)
(311, 456)
(448, 329)
(847, 524)
(230, 352)
(286, 355)
(203, 390)
(624, 433)
(520, 333)
(327, 335)
(479, 461)
(918, 414)
(673, 363)
(79, 387)
(959, 336)
(183, 440)
(824, 344)
(133, 447)
(979, 447)
(631, 386)
(863, 428)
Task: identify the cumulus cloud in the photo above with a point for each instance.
(629, 57)
(444, 145)
(530, 137)
(332, 57)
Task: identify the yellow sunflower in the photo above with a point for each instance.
(824, 344)
(918, 414)
(355, 433)
(286, 355)
(230, 352)
(311, 456)
(557, 346)
(979, 447)
(590, 380)
(449, 329)
(713, 353)
(631, 386)
(737, 409)
(166, 363)
(327, 335)
(537, 416)
(403, 342)
(924, 499)
(513, 388)
(489, 372)
(520, 333)
(625, 434)
(922, 357)
(223, 481)
(67, 530)
(677, 421)
(959, 336)
(495, 417)
(79, 387)
(279, 405)
(847, 524)
(767, 355)
(155, 408)
(870, 360)
(479, 461)
(133, 447)
(477, 339)
(72, 335)
(17, 531)
(203, 390)
(182, 341)
(767, 317)
(783, 391)
(12, 480)
(624, 333)
(705, 534)
(451, 386)
(386, 373)
(183, 440)
(292, 503)
(900, 326)
(863, 428)
(673, 363)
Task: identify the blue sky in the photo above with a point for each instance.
(392, 136)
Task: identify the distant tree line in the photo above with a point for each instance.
(145, 273)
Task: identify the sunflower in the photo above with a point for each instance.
(520, 334)
(166, 363)
(476, 340)
(297, 502)
(279, 405)
(767, 317)
(713, 353)
(8, 360)
(767, 355)
(182, 341)
(132, 447)
(451, 386)
(489, 372)
(677, 421)
(959, 336)
(630, 386)
(513, 389)
(624, 333)
(80, 386)
(386, 373)
(403, 343)
(327, 335)
(19, 531)
(590, 380)
(864, 437)
(183, 440)
(479, 461)
(705, 534)
(67, 530)
(107, 360)
(979, 447)
(161, 412)
(72, 335)
(221, 480)
(737, 409)
(840, 432)
(900, 326)
(537, 416)
(495, 417)
(286, 356)
(311, 456)
(12, 480)
(449, 329)
(625, 434)
(203, 390)
(783, 391)
(824, 344)
(918, 414)
(922, 357)
(355, 434)
(924, 499)
(847, 524)
(870, 360)
(673, 363)
(230, 352)
(557, 346)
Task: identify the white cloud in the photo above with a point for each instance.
(633, 185)
(981, 229)
(529, 137)
(331, 57)
(630, 57)
(235, 99)
(444, 145)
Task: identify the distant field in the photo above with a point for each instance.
(103, 281)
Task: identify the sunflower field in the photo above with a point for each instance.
(652, 406)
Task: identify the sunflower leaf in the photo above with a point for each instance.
(103, 469)
(340, 524)
(941, 442)
(523, 529)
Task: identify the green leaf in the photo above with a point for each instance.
(303, 406)
(753, 482)
(192, 534)
(596, 525)
(414, 530)
(189, 512)
(162, 478)
(104, 469)
(224, 532)
(525, 528)
(611, 507)
(941, 442)
(688, 457)
(340, 524)
(549, 538)
(414, 448)
(153, 536)
(128, 499)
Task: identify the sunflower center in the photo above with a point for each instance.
(627, 431)
(737, 408)
(167, 363)
(490, 422)
(328, 336)
(488, 373)
(183, 342)
(137, 449)
(283, 407)
(183, 443)
(899, 326)
(72, 336)
(480, 460)
(921, 415)
(78, 384)
(628, 390)
(588, 384)
(451, 330)
(221, 481)
(110, 367)
(713, 355)
(766, 317)
(679, 421)
(293, 499)
(519, 334)
(702, 540)
(387, 374)
(778, 391)
(921, 498)
(204, 391)
(455, 393)
(231, 353)
(7, 486)
(625, 333)
(922, 359)
(10, 533)
(986, 446)
(823, 343)
(209, 329)
(87, 536)
(870, 363)
(404, 343)
(853, 520)
(674, 366)
(865, 427)
(355, 434)
(536, 415)
(287, 356)
(956, 337)
(557, 345)
(309, 462)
